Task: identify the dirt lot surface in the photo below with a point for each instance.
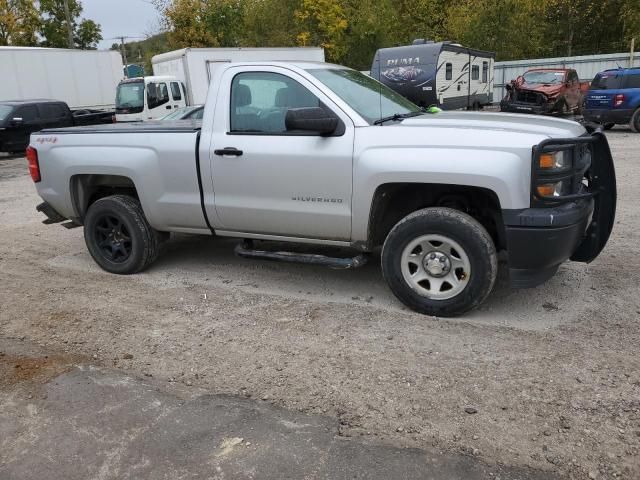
(551, 376)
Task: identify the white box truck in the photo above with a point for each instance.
(194, 66)
(182, 78)
(84, 79)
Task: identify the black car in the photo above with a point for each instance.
(20, 118)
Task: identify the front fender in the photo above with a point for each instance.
(504, 173)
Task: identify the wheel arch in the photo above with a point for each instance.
(87, 188)
(394, 201)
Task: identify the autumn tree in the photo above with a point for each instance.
(352, 30)
(19, 22)
(54, 27)
(270, 23)
(323, 23)
(199, 23)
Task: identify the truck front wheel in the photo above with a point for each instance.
(439, 261)
(118, 236)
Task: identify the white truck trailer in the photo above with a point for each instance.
(182, 78)
(195, 66)
(84, 79)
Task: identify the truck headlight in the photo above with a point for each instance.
(560, 160)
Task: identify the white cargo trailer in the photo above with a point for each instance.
(194, 66)
(84, 79)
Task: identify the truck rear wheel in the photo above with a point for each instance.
(439, 261)
(118, 236)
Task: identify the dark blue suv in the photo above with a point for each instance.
(614, 98)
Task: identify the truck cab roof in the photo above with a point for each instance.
(29, 102)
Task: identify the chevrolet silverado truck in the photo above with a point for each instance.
(318, 154)
(545, 91)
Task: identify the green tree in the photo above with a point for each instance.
(86, 33)
(198, 23)
(366, 32)
(270, 23)
(323, 23)
(19, 23)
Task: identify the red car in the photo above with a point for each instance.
(545, 90)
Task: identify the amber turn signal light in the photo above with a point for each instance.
(547, 160)
(547, 190)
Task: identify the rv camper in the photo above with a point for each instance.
(444, 74)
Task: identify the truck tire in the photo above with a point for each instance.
(118, 236)
(608, 126)
(635, 121)
(440, 262)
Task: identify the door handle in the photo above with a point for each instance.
(168, 107)
(228, 151)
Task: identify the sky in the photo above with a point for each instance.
(134, 18)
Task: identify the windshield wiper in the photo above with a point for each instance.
(396, 117)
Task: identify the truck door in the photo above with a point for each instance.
(267, 180)
(177, 96)
(158, 101)
(27, 121)
(573, 89)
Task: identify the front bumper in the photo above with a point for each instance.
(557, 229)
(540, 239)
(604, 116)
(523, 107)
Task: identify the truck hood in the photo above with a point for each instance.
(548, 89)
(504, 122)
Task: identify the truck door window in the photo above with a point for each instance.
(175, 91)
(28, 113)
(475, 72)
(485, 72)
(448, 71)
(157, 94)
(260, 100)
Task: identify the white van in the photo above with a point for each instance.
(148, 98)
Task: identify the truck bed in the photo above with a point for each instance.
(133, 127)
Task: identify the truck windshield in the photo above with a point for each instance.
(130, 95)
(371, 99)
(5, 110)
(544, 77)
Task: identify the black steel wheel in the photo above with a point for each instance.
(112, 237)
(118, 236)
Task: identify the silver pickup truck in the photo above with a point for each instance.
(324, 155)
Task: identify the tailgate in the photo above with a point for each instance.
(599, 99)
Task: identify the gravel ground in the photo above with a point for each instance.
(547, 378)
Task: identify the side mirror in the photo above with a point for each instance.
(311, 119)
(17, 121)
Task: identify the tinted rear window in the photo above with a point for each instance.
(606, 81)
(52, 111)
(632, 81)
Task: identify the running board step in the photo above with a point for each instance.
(245, 250)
